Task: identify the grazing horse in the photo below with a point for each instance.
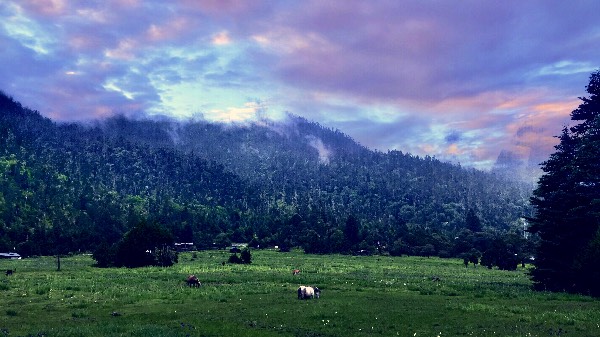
(10, 272)
(296, 272)
(317, 292)
(305, 292)
(301, 292)
(193, 281)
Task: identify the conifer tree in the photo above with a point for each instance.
(567, 202)
(472, 221)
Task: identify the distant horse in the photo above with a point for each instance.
(193, 281)
(301, 292)
(296, 272)
(305, 292)
(10, 272)
(317, 292)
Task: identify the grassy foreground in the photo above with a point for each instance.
(361, 296)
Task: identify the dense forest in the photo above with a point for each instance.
(74, 187)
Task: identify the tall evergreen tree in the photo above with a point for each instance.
(352, 232)
(472, 221)
(567, 202)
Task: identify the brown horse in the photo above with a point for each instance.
(193, 281)
(296, 272)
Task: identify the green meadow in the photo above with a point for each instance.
(361, 296)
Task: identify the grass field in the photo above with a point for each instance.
(361, 296)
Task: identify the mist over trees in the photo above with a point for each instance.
(567, 204)
(72, 187)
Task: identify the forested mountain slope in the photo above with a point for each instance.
(68, 187)
(310, 167)
(273, 183)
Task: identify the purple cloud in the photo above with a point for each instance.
(461, 81)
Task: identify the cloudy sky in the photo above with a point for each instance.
(458, 80)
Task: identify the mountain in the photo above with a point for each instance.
(68, 187)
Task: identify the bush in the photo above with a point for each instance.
(504, 260)
(284, 249)
(144, 245)
(244, 258)
(165, 256)
(105, 255)
(400, 248)
(234, 259)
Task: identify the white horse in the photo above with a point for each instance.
(305, 292)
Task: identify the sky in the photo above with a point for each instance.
(461, 81)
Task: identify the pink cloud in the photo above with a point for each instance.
(408, 50)
(84, 43)
(125, 50)
(126, 3)
(172, 29)
(453, 149)
(221, 7)
(221, 38)
(46, 7)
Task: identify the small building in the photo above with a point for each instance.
(12, 256)
(184, 246)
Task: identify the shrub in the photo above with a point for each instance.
(165, 256)
(234, 259)
(244, 258)
(105, 255)
(144, 245)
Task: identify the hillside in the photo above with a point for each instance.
(308, 166)
(291, 183)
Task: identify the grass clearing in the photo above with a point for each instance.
(361, 296)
